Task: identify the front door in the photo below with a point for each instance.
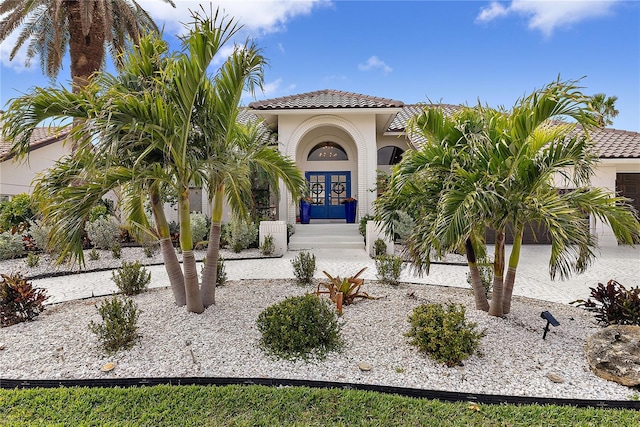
(328, 191)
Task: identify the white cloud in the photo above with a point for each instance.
(18, 63)
(375, 62)
(281, 48)
(549, 15)
(257, 15)
(271, 89)
(494, 10)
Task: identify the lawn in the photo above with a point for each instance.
(265, 406)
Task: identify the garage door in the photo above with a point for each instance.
(628, 185)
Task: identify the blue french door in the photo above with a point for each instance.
(328, 191)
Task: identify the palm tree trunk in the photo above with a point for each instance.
(191, 286)
(86, 51)
(498, 276)
(509, 281)
(172, 266)
(171, 263)
(210, 273)
(476, 280)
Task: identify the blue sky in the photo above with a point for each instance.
(455, 52)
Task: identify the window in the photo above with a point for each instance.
(327, 151)
(390, 155)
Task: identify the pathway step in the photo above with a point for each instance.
(326, 236)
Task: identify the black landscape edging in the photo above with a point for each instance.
(446, 396)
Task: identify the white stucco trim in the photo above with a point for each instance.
(291, 147)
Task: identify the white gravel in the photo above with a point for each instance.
(223, 342)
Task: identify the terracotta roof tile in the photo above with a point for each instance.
(325, 99)
(610, 143)
(616, 144)
(41, 137)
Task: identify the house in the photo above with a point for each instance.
(47, 146)
(339, 139)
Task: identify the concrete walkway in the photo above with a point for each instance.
(619, 263)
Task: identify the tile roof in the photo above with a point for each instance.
(408, 111)
(609, 143)
(41, 137)
(616, 144)
(325, 99)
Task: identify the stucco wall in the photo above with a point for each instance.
(16, 176)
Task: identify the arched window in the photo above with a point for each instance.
(327, 151)
(390, 155)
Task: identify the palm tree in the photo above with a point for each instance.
(244, 150)
(87, 28)
(488, 168)
(605, 108)
(158, 127)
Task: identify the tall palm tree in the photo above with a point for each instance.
(153, 128)
(605, 108)
(234, 151)
(87, 28)
(488, 168)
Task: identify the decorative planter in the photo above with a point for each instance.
(305, 212)
(350, 211)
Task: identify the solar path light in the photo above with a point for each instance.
(550, 320)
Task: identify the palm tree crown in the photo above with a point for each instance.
(86, 28)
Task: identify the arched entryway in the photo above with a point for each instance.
(329, 150)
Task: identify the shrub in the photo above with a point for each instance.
(98, 212)
(94, 255)
(10, 245)
(199, 227)
(118, 330)
(116, 251)
(389, 268)
(19, 300)
(16, 213)
(291, 230)
(363, 224)
(221, 274)
(304, 267)
(379, 247)
(241, 235)
(103, 232)
(32, 260)
(132, 278)
(40, 234)
(402, 226)
(268, 247)
(485, 268)
(445, 335)
(299, 327)
(614, 304)
(150, 249)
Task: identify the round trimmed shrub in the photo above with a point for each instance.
(444, 334)
(300, 327)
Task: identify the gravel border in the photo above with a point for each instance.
(223, 342)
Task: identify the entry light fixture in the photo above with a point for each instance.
(550, 321)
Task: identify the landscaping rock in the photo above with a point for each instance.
(555, 378)
(614, 354)
(108, 367)
(364, 366)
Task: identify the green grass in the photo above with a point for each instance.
(266, 406)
